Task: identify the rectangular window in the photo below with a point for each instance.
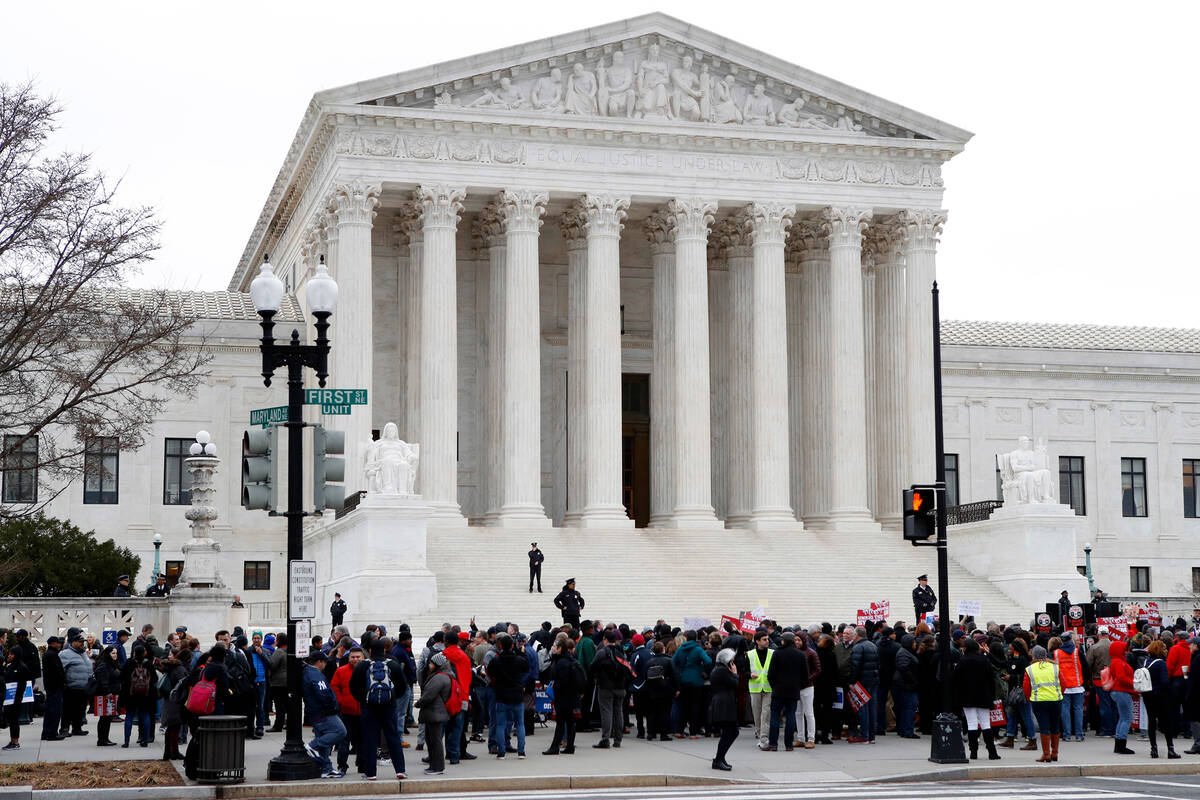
(951, 480)
(256, 575)
(1195, 580)
(1070, 483)
(1191, 472)
(1139, 579)
(173, 571)
(1133, 487)
(177, 483)
(101, 461)
(20, 469)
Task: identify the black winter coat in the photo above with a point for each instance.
(668, 684)
(904, 674)
(723, 707)
(608, 670)
(507, 671)
(973, 681)
(562, 677)
(886, 648)
(864, 664)
(1191, 702)
(108, 678)
(54, 677)
(569, 601)
(788, 673)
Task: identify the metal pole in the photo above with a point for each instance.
(1087, 567)
(157, 548)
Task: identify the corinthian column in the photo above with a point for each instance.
(574, 232)
(891, 420)
(922, 227)
(812, 249)
(601, 215)
(354, 207)
(662, 371)
(490, 227)
(769, 463)
(412, 326)
(690, 219)
(521, 480)
(847, 422)
(732, 239)
(440, 207)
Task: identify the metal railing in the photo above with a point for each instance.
(350, 504)
(971, 512)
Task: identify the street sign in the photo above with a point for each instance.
(303, 638)
(302, 589)
(265, 416)
(335, 397)
(336, 410)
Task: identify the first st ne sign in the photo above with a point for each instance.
(335, 401)
(302, 589)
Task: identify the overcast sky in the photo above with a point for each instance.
(1068, 205)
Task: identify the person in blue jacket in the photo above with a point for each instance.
(321, 711)
(691, 664)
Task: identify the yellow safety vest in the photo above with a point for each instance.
(759, 684)
(1043, 682)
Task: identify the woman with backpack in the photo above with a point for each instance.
(567, 681)
(139, 694)
(205, 692)
(1120, 674)
(1158, 700)
(172, 691)
(105, 691)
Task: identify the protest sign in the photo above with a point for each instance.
(876, 612)
(969, 608)
(696, 623)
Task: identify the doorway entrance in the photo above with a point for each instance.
(635, 446)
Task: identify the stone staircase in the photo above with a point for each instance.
(639, 576)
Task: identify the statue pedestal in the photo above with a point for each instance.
(374, 556)
(1027, 551)
(203, 610)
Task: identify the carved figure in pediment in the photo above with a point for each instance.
(581, 91)
(724, 107)
(792, 116)
(685, 95)
(504, 96)
(758, 109)
(652, 85)
(615, 94)
(704, 86)
(845, 123)
(444, 100)
(548, 93)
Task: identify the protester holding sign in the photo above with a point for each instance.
(975, 692)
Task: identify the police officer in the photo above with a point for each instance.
(570, 603)
(536, 557)
(924, 600)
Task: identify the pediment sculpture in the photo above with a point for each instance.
(1025, 475)
(390, 464)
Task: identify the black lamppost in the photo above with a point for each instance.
(266, 291)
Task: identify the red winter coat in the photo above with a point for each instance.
(1119, 669)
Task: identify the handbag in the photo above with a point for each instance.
(1106, 679)
(1016, 697)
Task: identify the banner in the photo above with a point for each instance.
(1042, 623)
(739, 623)
(969, 608)
(1153, 615)
(876, 612)
(543, 699)
(10, 693)
(1118, 627)
(859, 696)
(696, 623)
(996, 717)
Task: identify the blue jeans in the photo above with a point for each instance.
(1124, 703)
(788, 709)
(1026, 712)
(866, 714)
(510, 714)
(454, 729)
(1072, 709)
(52, 717)
(401, 709)
(487, 701)
(904, 703)
(1108, 712)
(380, 721)
(260, 706)
(143, 721)
(326, 735)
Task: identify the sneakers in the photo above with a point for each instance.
(313, 754)
(371, 777)
(333, 773)
(520, 756)
(400, 776)
(11, 746)
(857, 740)
(434, 771)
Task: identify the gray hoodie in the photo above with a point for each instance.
(77, 666)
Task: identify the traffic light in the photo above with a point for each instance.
(260, 470)
(328, 466)
(920, 513)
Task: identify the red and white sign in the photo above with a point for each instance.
(996, 717)
(858, 696)
(1118, 627)
(876, 612)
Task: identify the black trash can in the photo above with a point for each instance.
(221, 741)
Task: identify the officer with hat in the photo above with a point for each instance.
(924, 600)
(123, 588)
(536, 557)
(570, 603)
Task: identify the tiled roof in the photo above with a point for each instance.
(204, 305)
(1053, 336)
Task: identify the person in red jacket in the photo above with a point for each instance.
(349, 711)
(1179, 657)
(456, 741)
(1121, 675)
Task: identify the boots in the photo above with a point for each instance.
(1119, 747)
(1171, 748)
(1009, 742)
(1045, 749)
(989, 741)
(1030, 744)
(973, 743)
(1054, 739)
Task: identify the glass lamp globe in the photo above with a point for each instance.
(266, 291)
(322, 291)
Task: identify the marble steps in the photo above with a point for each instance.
(638, 576)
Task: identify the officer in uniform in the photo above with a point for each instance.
(924, 600)
(536, 557)
(570, 602)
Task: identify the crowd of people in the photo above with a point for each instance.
(793, 688)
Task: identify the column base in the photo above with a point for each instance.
(815, 522)
(854, 520)
(657, 521)
(598, 517)
(445, 515)
(696, 518)
(891, 522)
(519, 516)
(772, 522)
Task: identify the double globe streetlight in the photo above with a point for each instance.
(266, 292)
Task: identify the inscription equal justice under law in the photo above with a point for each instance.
(559, 156)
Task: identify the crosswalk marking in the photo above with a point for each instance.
(1155, 782)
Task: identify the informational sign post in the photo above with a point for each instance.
(302, 589)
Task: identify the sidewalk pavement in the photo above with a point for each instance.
(890, 759)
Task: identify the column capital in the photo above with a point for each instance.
(1169, 408)
(489, 226)
(885, 239)
(1098, 405)
(768, 222)
(658, 231)
(311, 244)
(845, 225)
(922, 227)
(409, 219)
(354, 202)
(604, 212)
(521, 209)
(732, 237)
(690, 217)
(573, 225)
(398, 231)
(440, 205)
(807, 241)
(329, 221)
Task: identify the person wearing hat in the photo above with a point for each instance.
(77, 668)
(432, 711)
(570, 603)
(924, 600)
(54, 682)
(160, 588)
(536, 557)
(321, 711)
(1064, 608)
(123, 588)
(337, 610)
(1044, 692)
(122, 637)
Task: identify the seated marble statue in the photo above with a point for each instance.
(1025, 474)
(390, 464)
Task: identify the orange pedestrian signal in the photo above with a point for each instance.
(920, 517)
(917, 500)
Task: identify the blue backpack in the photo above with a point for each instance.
(379, 687)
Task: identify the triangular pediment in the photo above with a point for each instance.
(654, 68)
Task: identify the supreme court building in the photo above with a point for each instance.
(633, 275)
